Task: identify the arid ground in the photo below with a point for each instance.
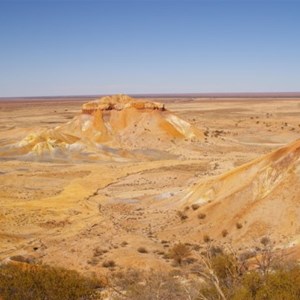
(80, 213)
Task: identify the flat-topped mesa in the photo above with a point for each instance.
(119, 102)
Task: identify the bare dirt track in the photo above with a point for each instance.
(79, 214)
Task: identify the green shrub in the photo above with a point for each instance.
(44, 282)
(282, 284)
(152, 285)
(236, 282)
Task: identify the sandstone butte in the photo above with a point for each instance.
(109, 128)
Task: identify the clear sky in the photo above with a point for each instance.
(161, 46)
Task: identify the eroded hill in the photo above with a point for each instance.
(111, 128)
(259, 198)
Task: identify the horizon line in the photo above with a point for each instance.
(171, 95)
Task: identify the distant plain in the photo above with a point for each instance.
(61, 212)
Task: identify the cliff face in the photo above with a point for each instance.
(119, 102)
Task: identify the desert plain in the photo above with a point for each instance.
(233, 182)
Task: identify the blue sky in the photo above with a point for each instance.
(161, 46)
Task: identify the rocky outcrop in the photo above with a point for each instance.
(119, 102)
(111, 128)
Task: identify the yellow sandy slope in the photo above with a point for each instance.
(263, 196)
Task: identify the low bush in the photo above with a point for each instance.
(224, 233)
(195, 206)
(142, 250)
(109, 264)
(201, 216)
(20, 282)
(206, 238)
(152, 285)
(179, 253)
(99, 252)
(238, 225)
(182, 215)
